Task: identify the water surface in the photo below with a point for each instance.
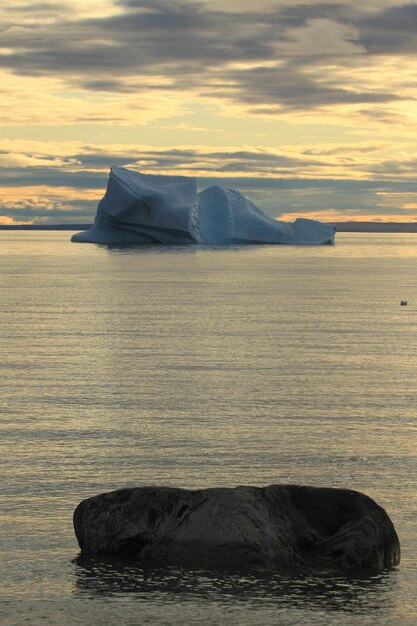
(198, 367)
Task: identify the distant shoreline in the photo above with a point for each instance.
(45, 226)
(376, 227)
(342, 227)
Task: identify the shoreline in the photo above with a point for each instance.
(342, 227)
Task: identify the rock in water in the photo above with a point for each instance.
(141, 208)
(275, 528)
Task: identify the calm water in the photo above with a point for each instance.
(198, 367)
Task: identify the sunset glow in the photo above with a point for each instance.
(309, 109)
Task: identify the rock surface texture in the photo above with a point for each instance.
(144, 208)
(274, 528)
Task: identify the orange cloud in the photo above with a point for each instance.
(9, 221)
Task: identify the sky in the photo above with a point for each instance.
(308, 108)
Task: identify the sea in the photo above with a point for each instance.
(200, 367)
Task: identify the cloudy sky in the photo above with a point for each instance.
(309, 108)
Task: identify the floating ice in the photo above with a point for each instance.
(142, 208)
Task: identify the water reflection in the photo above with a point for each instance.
(357, 593)
(144, 248)
(158, 248)
(346, 245)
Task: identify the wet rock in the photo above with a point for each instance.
(274, 528)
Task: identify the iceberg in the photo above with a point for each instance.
(145, 208)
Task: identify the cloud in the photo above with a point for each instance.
(283, 199)
(63, 182)
(34, 209)
(322, 36)
(288, 89)
(271, 61)
(211, 72)
(52, 102)
(87, 166)
(390, 31)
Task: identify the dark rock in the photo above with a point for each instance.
(275, 528)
